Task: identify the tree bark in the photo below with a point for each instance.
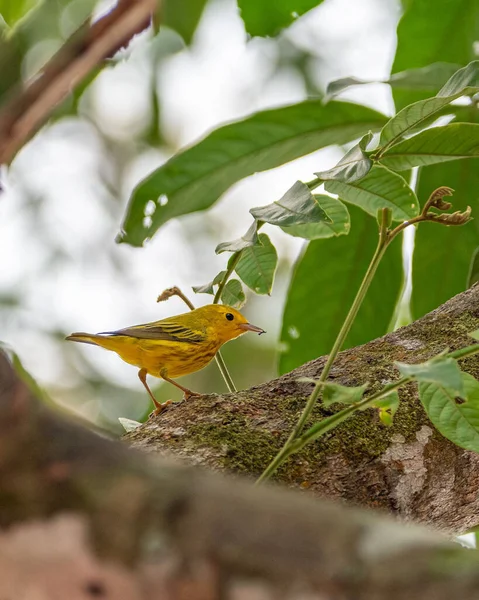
(408, 469)
(84, 517)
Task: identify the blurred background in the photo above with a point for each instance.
(66, 192)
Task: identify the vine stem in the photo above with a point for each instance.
(384, 240)
(234, 260)
(219, 359)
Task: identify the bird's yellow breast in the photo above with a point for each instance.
(178, 358)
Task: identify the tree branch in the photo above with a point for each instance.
(408, 469)
(29, 106)
(88, 517)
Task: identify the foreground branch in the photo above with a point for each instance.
(89, 518)
(29, 106)
(408, 469)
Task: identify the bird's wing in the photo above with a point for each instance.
(167, 329)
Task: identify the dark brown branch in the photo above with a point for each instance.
(87, 518)
(29, 106)
(409, 469)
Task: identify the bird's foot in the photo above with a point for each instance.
(159, 408)
(189, 394)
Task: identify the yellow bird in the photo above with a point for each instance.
(175, 346)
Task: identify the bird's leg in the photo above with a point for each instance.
(142, 373)
(187, 393)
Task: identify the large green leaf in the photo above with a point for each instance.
(439, 144)
(257, 265)
(442, 255)
(433, 31)
(463, 82)
(339, 223)
(456, 417)
(381, 188)
(325, 281)
(296, 207)
(436, 30)
(269, 18)
(195, 178)
(182, 16)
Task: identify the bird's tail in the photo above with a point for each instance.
(86, 338)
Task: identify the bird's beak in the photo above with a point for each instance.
(249, 327)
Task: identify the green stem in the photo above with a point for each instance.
(314, 183)
(234, 260)
(224, 371)
(219, 359)
(383, 243)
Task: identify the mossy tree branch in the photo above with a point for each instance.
(408, 469)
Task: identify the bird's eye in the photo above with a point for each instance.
(229, 316)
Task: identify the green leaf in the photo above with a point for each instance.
(380, 188)
(353, 166)
(13, 10)
(427, 79)
(208, 287)
(441, 371)
(296, 207)
(257, 265)
(463, 82)
(233, 294)
(182, 16)
(387, 408)
(195, 178)
(424, 38)
(474, 334)
(333, 392)
(250, 238)
(128, 424)
(439, 273)
(439, 144)
(456, 416)
(324, 283)
(269, 18)
(337, 213)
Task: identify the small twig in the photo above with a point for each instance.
(175, 291)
